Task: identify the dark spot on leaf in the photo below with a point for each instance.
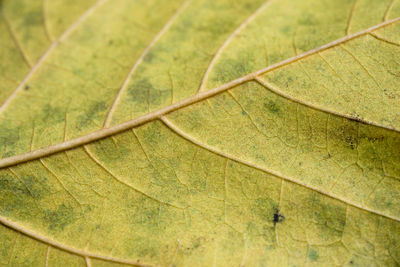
(8, 183)
(347, 134)
(16, 196)
(153, 133)
(271, 106)
(313, 255)
(351, 140)
(278, 217)
(356, 117)
(139, 91)
(231, 68)
(149, 57)
(36, 188)
(52, 114)
(26, 87)
(108, 150)
(58, 219)
(91, 113)
(9, 137)
(329, 217)
(196, 243)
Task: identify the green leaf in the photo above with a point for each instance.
(198, 133)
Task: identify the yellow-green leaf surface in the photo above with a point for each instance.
(200, 133)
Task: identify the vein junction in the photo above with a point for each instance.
(100, 134)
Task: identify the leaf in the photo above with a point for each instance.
(197, 133)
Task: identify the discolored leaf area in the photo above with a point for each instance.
(200, 133)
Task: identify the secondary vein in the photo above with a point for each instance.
(102, 133)
(179, 132)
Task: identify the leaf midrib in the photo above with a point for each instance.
(106, 132)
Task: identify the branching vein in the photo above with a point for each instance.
(178, 131)
(139, 60)
(227, 41)
(100, 134)
(48, 52)
(90, 154)
(15, 226)
(15, 39)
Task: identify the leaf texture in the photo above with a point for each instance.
(198, 133)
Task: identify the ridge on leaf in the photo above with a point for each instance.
(204, 178)
(198, 97)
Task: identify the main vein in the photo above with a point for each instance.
(102, 133)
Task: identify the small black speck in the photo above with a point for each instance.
(351, 262)
(243, 113)
(26, 87)
(356, 117)
(271, 106)
(278, 217)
